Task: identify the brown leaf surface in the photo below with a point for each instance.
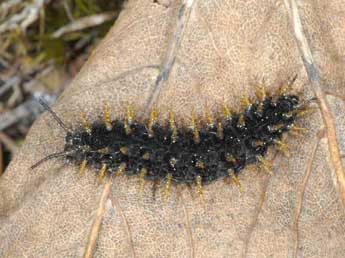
(209, 52)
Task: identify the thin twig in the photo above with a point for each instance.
(315, 80)
(85, 22)
(68, 11)
(93, 235)
(1, 159)
(169, 59)
(8, 142)
(25, 18)
(6, 6)
(9, 84)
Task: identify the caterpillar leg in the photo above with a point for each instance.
(297, 131)
(260, 92)
(167, 187)
(121, 169)
(287, 87)
(235, 179)
(82, 167)
(227, 112)
(107, 117)
(209, 118)
(101, 173)
(305, 111)
(152, 121)
(241, 121)
(220, 131)
(265, 165)
(199, 187)
(142, 175)
(172, 125)
(155, 186)
(194, 126)
(283, 147)
(85, 123)
(129, 119)
(245, 101)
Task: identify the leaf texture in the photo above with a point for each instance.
(189, 56)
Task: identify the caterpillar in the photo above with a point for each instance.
(198, 154)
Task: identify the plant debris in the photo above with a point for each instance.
(44, 44)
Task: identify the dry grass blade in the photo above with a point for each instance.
(83, 23)
(7, 5)
(1, 159)
(8, 142)
(10, 83)
(25, 18)
(93, 235)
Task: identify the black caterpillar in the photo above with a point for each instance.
(195, 154)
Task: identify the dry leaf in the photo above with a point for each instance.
(208, 52)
